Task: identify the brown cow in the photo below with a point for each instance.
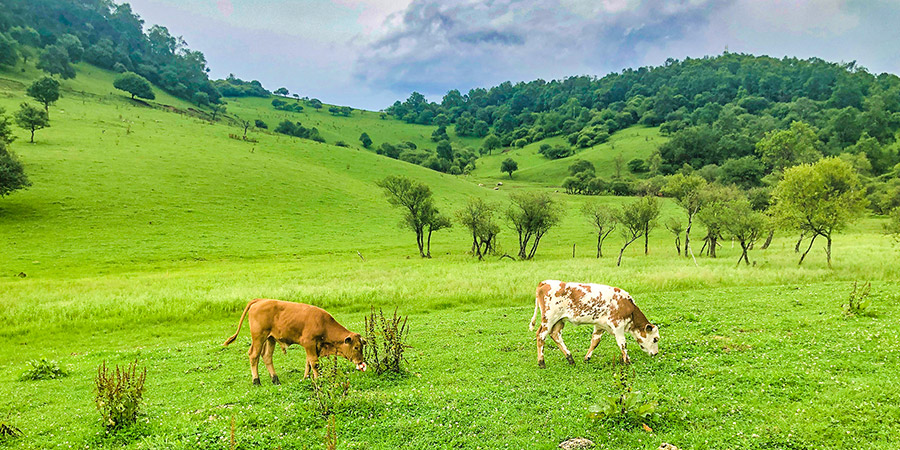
(289, 323)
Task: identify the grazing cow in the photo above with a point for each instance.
(607, 308)
(289, 323)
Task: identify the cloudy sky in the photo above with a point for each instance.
(368, 53)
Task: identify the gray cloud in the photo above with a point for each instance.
(437, 45)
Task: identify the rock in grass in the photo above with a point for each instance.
(576, 443)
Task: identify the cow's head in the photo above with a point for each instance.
(352, 349)
(648, 338)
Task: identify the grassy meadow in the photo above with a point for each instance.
(147, 229)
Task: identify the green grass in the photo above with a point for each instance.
(146, 232)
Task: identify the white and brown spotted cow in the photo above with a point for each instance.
(607, 308)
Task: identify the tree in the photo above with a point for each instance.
(45, 91)
(819, 199)
(786, 148)
(478, 217)
(676, 228)
(218, 108)
(72, 45)
(892, 228)
(8, 51)
(421, 216)
(135, 85)
(55, 61)
(32, 118)
(603, 219)
(282, 91)
(315, 103)
(365, 139)
(200, 98)
(745, 225)
(491, 142)
(12, 173)
(245, 124)
(445, 150)
(531, 214)
(715, 213)
(687, 191)
(509, 166)
(635, 219)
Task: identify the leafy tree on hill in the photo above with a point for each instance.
(491, 142)
(819, 199)
(55, 61)
(260, 124)
(135, 85)
(32, 118)
(786, 148)
(477, 217)
(531, 214)
(9, 53)
(715, 214)
(688, 193)
(445, 150)
(200, 99)
(218, 108)
(282, 91)
(72, 45)
(745, 225)
(45, 91)
(12, 173)
(25, 35)
(315, 103)
(236, 87)
(365, 139)
(420, 216)
(509, 166)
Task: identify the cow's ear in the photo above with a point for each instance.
(348, 340)
(650, 327)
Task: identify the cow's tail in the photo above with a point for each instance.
(241, 322)
(537, 310)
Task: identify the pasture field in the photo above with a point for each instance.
(146, 232)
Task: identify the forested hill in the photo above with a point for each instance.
(58, 33)
(715, 108)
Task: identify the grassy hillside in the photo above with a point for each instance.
(534, 168)
(146, 232)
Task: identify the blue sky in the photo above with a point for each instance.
(368, 53)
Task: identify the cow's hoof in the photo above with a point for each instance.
(570, 359)
(256, 381)
(275, 380)
(542, 365)
(587, 359)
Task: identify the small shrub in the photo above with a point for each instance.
(627, 408)
(43, 369)
(858, 302)
(385, 341)
(341, 144)
(119, 394)
(330, 390)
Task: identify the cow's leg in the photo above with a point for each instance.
(556, 335)
(256, 347)
(595, 339)
(541, 337)
(312, 361)
(620, 341)
(267, 359)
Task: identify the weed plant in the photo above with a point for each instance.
(385, 341)
(43, 369)
(120, 393)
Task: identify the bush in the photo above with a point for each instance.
(261, 124)
(628, 408)
(119, 394)
(330, 390)
(637, 165)
(858, 301)
(385, 341)
(43, 369)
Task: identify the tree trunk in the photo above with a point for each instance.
(646, 239)
(800, 241)
(744, 248)
(713, 242)
(807, 249)
(769, 239)
(32, 135)
(619, 262)
(420, 243)
(828, 250)
(687, 235)
(428, 249)
(678, 244)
